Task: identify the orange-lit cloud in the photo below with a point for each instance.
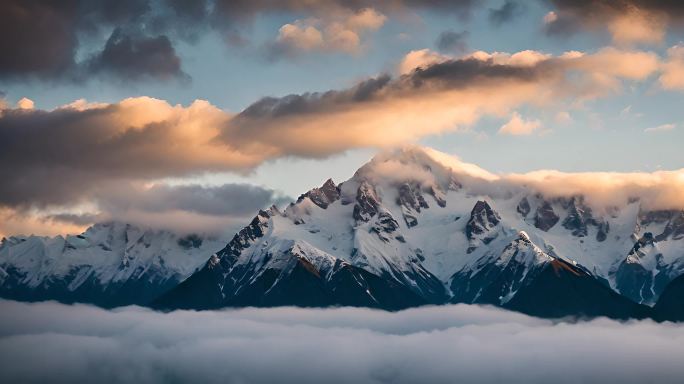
(518, 126)
(69, 155)
(673, 69)
(336, 31)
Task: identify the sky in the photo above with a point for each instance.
(150, 111)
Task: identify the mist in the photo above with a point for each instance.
(53, 342)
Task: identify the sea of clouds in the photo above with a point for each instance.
(51, 342)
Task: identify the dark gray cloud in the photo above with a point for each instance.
(574, 15)
(73, 218)
(508, 11)
(180, 208)
(37, 38)
(291, 345)
(132, 57)
(222, 200)
(43, 38)
(452, 41)
(55, 157)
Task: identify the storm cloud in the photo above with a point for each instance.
(293, 345)
(133, 57)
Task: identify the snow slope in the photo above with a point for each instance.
(435, 226)
(109, 264)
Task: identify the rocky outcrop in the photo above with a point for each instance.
(523, 207)
(545, 217)
(480, 226)
(411, 201)
(579, 218)
(367, 203)
(482, 219)
(327, 194)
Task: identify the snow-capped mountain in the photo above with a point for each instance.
(415, 226)
(110, 264)
(411, 227)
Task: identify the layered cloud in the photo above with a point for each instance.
(628, 21)
(72, 149)
(659, 190)
(292, 345)
(72, 155)
(182, 208)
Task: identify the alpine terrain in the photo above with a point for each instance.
(411, 227)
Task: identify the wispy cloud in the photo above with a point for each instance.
(661, 128)
(518, 126)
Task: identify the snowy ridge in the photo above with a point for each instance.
(105, 258)
(411, 227)
(420, 218)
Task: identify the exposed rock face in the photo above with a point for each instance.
(562, 289)
(411, 201)
(327, 194)
(243, 239)
(603, 230)
(579, 217)
(545, 218)
(632, 279)
(523, 207)
(110, 264)
(483, 219)
(495, 280)
(293, 273)
(674, 229)
(367, 203)
(670, 305)
(438, 195)
(386, 226)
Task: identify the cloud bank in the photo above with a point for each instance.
(432, 344)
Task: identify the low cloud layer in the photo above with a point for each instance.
(180, 208)
(289, 345)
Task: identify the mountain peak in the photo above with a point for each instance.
(425, 167)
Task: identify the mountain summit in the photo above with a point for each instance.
(412, 227)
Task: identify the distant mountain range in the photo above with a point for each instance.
(411, 227)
